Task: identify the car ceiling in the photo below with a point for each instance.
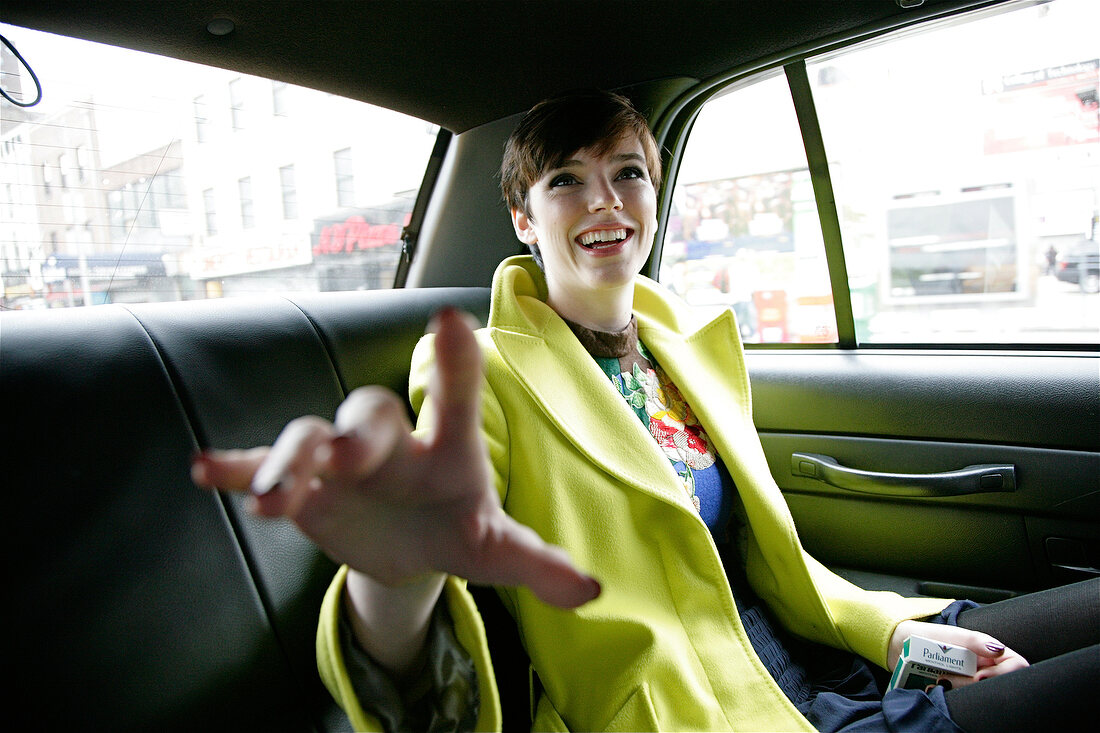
(462, 63)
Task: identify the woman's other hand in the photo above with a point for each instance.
(994, 658)
(395, 506)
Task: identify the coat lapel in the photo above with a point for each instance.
(708, 368)
(577, 397)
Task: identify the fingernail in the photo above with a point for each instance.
(437, 318)
(262, 488)
(344, 437)
(597, 589)
(994, 647)
(339, 446)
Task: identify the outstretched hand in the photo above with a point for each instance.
(397, 506)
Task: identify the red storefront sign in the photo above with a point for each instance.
(353, 234)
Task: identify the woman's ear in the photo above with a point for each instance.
(523, 225)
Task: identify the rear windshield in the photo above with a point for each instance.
(139, 178)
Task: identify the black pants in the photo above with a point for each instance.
(1058, 632)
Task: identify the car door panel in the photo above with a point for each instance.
(928, 413)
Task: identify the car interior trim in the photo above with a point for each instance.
(818, 162)
(410, 233)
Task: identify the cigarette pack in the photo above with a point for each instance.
(924, 661)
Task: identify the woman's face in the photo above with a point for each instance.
(593, 218)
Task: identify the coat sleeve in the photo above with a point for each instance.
(468, 631)
(866, 619)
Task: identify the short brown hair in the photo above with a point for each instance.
(557, 127)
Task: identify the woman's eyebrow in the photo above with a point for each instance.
(618, 157)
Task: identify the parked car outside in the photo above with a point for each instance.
(1080, 264)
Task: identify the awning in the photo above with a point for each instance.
(104, 266)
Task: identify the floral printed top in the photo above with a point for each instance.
(663, 410)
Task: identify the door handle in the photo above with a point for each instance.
(983, 478)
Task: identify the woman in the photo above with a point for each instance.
(706, 614)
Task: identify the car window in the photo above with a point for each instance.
(140, 178)
(964, 159)
(743, 230)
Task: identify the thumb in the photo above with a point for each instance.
(523, 558)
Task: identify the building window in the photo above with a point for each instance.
(47, 179)
(117, 215)
(290, 193)
(202, 124)
(82, 163)
(278, 98)
(236, 103)
(140, 204)
(65, 164)
(345, 179)
(210, 211)
(168, 191)
(244, 188)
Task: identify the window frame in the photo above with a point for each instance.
(288, 192)
(247, 204)
(343, 169)
(210, 212)
(673, 131)
(199, 108)
(237, 104)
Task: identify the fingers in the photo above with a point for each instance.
(990, 651)
(981, 644)
(241, 471)
(456, 380)
(292, 466)
(1005, 661)
(294, 457)
(370, 425)
(231, 470)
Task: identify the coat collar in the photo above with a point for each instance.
(578, 398)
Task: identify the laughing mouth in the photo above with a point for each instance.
(602, 238)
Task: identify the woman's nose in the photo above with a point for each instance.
(603, 197)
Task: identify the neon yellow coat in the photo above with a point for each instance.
(662, 648)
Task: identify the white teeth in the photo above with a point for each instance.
(603, 235)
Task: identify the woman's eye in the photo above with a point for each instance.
(631, 172)
(565, 179)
